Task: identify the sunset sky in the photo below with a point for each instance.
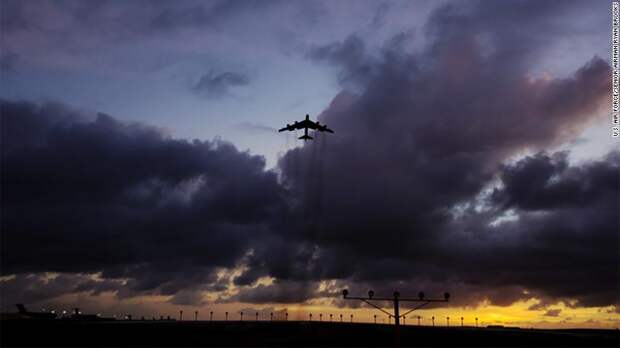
(142, 171)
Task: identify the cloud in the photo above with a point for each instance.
(95, 195)
(213, 84)
(8, 61)
(544, 182)
(563, 240)
(13, 17)
(349, 54)
(420, 135)
(32, 288)
(188, 297)
(553, 313)
(379, 18)
(278, 292)
(199, 15)
(397, 199)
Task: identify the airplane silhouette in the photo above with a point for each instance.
(24, 313)
(305, 125)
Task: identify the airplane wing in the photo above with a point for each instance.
(289, 127)
(324, 129)
(292, 127)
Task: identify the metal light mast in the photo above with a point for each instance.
(396, 301)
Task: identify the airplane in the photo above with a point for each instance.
(24, 313)
(305, 125)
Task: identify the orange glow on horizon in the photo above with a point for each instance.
(555, 316)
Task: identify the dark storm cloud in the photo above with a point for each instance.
(188, 298)
(8, 61)
(218, 84)
(31, 288)
(350, 55)
(421, 134)
(97, 195)
(200, 15)
(391, 201)
(378, 20)
(545, 182)
(565, 240)
(143, 17)
(282, 291)
(13, 17)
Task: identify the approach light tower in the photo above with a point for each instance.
(396, 301)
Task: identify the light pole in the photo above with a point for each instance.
(226, 316)
(241, 316)
(476, 321)
(448, 321)
(320, 316)
(433, 320)
(180, 315)
(256, 316)
(196, 316)
(271, 316)
(461, 321)
(396, 301)
(419, 320)
(330, 317)
(351, 317)
(375, 318)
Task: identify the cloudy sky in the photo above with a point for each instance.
(142, 171)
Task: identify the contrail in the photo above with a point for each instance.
(320, 184)
(314, 187)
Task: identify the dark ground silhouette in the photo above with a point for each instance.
(137, 333)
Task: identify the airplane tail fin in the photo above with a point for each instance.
(305, 137)
(21, 308)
